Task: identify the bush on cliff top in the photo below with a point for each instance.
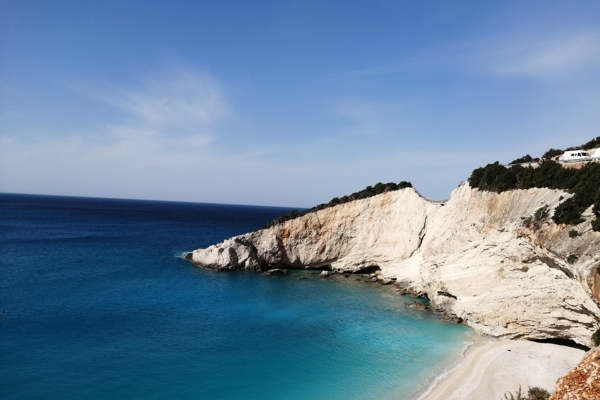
(369, 191)
(552, 153)
(524, 159)
(592, 144)
(584, 183)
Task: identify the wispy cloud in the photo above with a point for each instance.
(540, 57)
(161, 114)
(509, 55)
(181, 98)
(166, 122)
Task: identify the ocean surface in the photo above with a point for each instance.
(96, 302)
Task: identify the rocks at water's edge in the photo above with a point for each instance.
(474, 257)
(276, 271)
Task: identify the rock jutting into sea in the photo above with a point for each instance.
(484, 258)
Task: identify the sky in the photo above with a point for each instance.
(286, 103)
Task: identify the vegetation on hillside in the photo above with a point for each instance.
(584, 183)
(557, 152)
(534, 393)
(550, 154)
(596, 338)
(525, 159)
(369, 191)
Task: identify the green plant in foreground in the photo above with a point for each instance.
(596, 337)
(517, 396)
(534, 393)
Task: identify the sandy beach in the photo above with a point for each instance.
(492, 368)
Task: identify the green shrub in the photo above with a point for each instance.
(538, 216)
(524, 159)
(596, 337)
(568, 212)
(475, 178)
(552, 153)
(573, 233)
(596, 224)
(494, 178)
(572, 258)
(591, 144)
(540, 213)
(534, 393)
(517, 396)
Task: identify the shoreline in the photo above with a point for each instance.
(476, 339)
(491, 368)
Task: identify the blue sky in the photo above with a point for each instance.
(286, 103)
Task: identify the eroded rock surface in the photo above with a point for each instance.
(473, 256)
(583, 382)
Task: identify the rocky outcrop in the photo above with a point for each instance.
(583, 382)
(484, 258)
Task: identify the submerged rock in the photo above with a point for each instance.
(416, 306)
(276, 271)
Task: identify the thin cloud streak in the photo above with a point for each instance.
(506, 56)
(181, 99)
(546, 58)
(167, 121)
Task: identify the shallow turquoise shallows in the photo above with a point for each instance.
(97, 303)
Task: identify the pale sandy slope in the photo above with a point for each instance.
(491, 369)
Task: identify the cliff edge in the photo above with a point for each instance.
(495, 261)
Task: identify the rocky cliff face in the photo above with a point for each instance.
(583, 382)
(474, 256)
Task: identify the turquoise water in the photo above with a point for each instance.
(96, 302)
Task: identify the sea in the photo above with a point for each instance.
(98, 302)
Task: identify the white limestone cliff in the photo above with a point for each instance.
(472, 256)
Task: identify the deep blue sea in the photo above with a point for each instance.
(96, 302)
